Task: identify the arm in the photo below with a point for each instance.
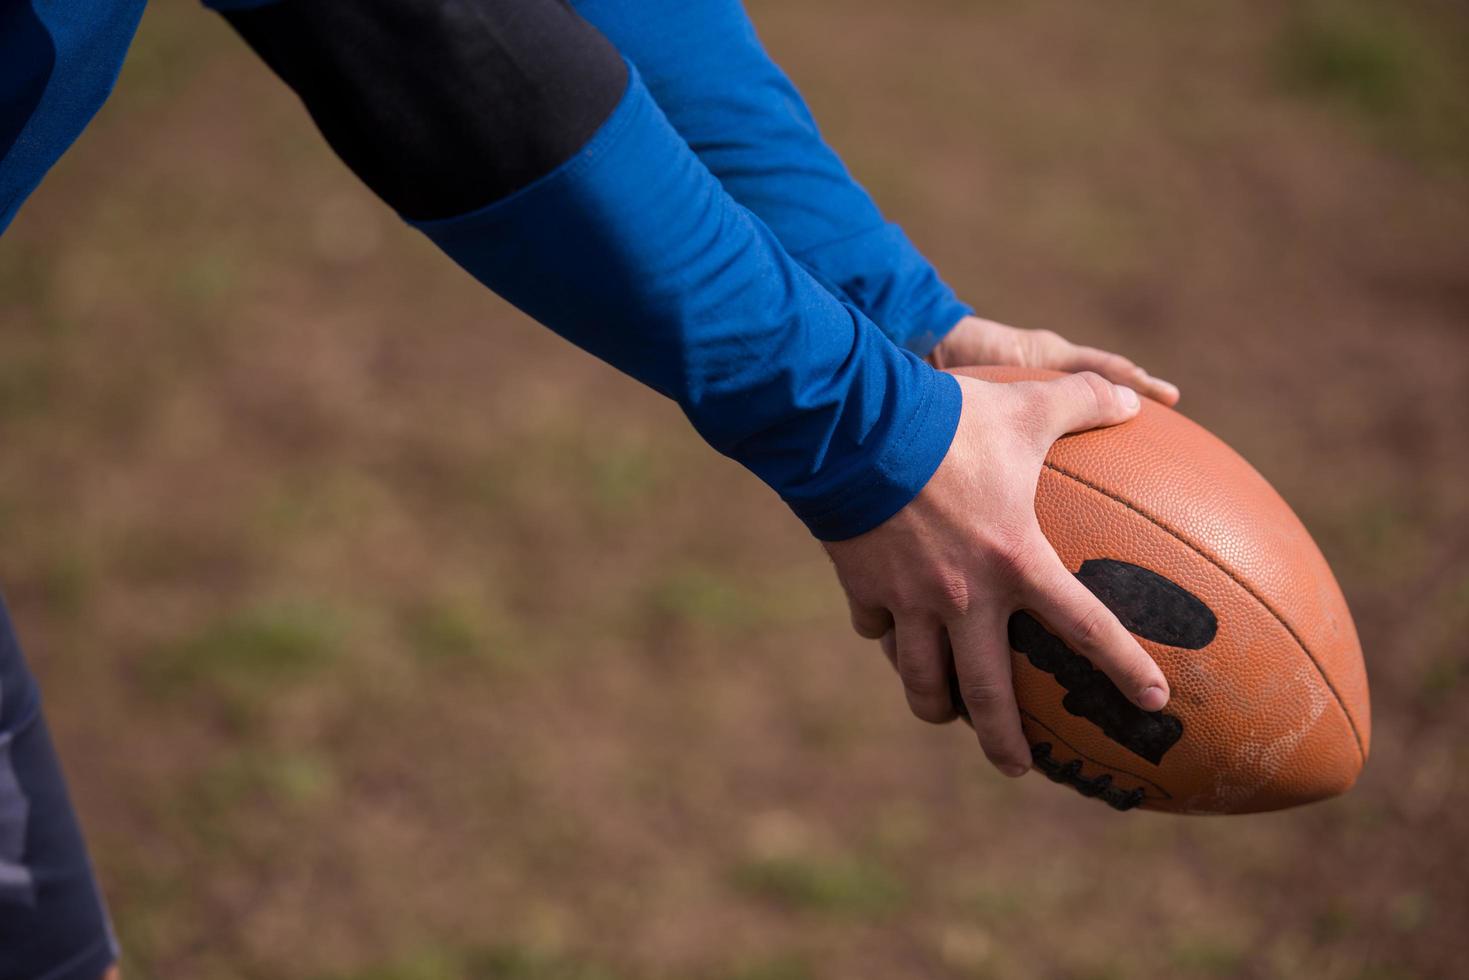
(741, 114)
(585, 209)
(516, 137)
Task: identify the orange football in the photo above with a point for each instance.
(1214, 574)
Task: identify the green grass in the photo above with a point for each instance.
(323, 499)
(1334, 921)
(1409, 911)
(247, 656)
(704, 596)
(446, 629)
(732, 602)
(1392, 66)
(281, 779)
(67, 582)
(589, 475)
(621, 477)
(840, 887)
(1363, 58)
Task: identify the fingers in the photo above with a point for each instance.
(1165, 392)
(1051, 350)
(982, 663)
(978, 341)
(1085, 401)
(1120, 370)
(889, 645)
(923, 664)
(870, 622)
(919, 650)
(1080, 620)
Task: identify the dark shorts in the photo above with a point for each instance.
(53, 925)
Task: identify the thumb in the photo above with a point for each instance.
(1086, 401)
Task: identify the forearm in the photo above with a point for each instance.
(624, 244)
(705, 65)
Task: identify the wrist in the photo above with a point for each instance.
(917, 441)
(941, 354)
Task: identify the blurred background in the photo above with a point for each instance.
(387, 637)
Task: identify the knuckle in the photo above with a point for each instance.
(908, 602)
(1097, 388)
(1022, 351)
(1091, 627)
(920, 679)
(983, 695)
(1033, 347)
(952, 594)
(944, 594)
(1012, 554)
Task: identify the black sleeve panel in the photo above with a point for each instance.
(442, 106)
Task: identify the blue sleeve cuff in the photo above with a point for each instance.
(911, 460)
(632, 251)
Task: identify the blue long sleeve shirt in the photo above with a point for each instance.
(58, 62)
(633, 251)
(629, 246)
(704, 64)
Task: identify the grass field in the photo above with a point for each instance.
(386, 637)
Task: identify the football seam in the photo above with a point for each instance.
(1351, 722)
(1165, 795)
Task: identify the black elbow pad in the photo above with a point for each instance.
(442, 106)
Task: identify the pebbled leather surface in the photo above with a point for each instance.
(1275, 707)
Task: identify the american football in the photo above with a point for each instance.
(1211, 570)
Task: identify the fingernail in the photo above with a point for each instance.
(1013, 771)
(1152, 699)
(1128, 396)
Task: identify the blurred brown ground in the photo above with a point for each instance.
(386, 637)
